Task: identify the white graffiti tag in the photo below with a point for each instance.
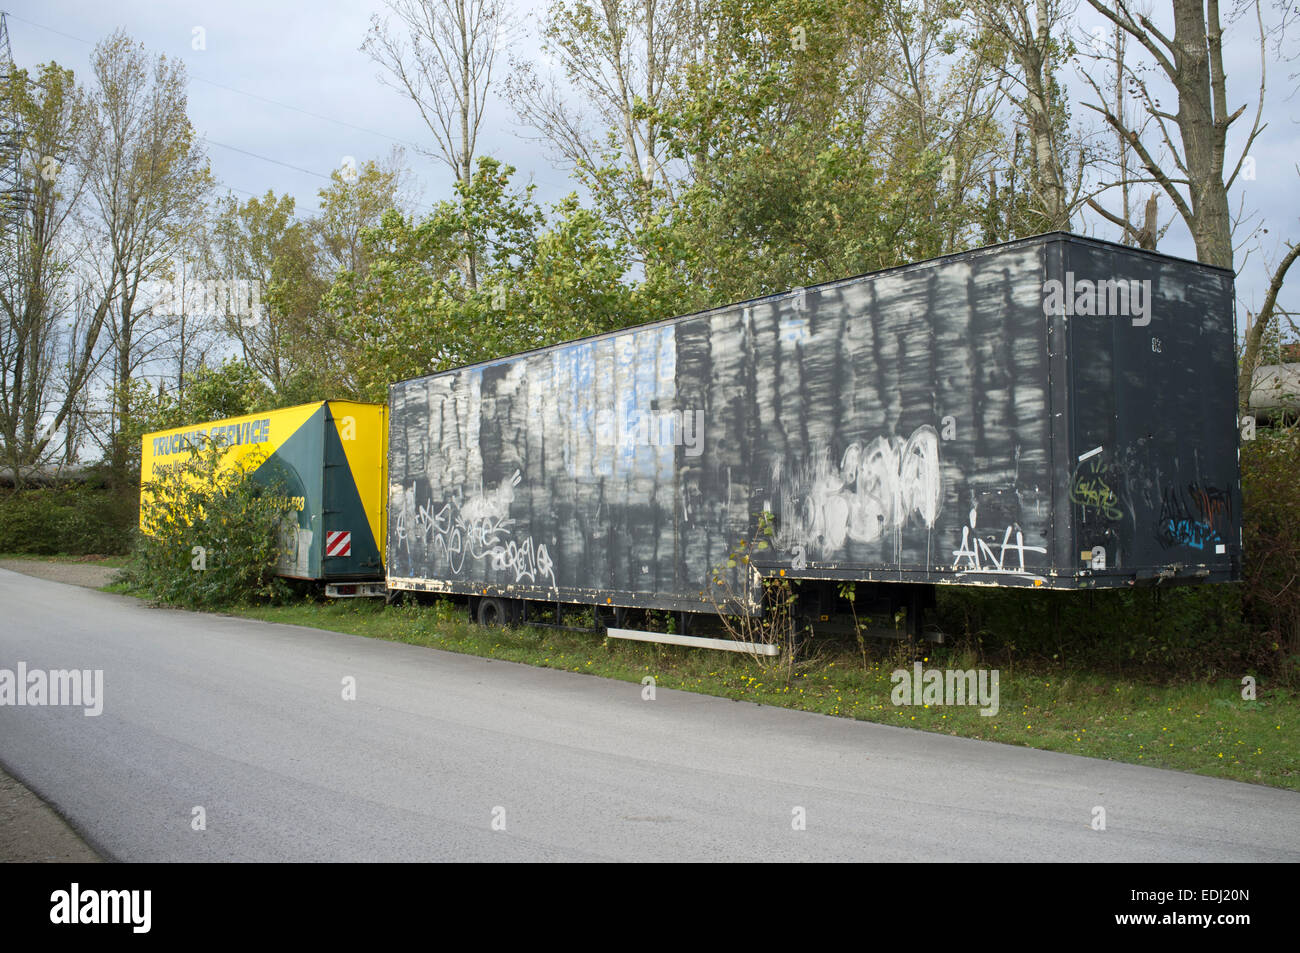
(978, 555)
(874, 490)
(480, 529)
(525, 560)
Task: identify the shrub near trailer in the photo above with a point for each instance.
(211, 533)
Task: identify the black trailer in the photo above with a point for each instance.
(1052, 412)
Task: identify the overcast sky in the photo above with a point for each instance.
(282, 93)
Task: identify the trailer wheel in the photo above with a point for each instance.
(496, 612)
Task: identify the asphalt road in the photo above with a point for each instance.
(247, 720)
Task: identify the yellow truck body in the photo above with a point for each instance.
(330, 459)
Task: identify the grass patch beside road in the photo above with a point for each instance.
(113, 562)
(1201, 727)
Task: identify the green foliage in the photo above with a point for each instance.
(575, 286)
(395, 318)
(766, 220)
(231, 390)
(798, 173)
(1191, 631)
(757, 611)
(212, 535)
(477, 279)
(77, 519)
(1271, 531)
(348, 206)
(260, 239)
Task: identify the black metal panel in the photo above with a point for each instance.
(913, 425)
(1156, 476)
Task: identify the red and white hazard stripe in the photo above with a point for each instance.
(338, 543)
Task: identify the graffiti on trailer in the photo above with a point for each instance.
(478, 529)
(977, 554)
(874, 490)
(1194, 517)
(1193, 533)
(1090, 488)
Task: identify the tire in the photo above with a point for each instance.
(495, 612)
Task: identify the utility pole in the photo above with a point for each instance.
(15, 197)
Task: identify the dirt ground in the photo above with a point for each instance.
(88, 574)
(31, 833)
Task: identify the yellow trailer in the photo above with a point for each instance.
(331, 460)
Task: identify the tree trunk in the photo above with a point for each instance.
(1255, 332)
(1203, 125)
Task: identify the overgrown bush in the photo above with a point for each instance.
(212, 533)
(76, 519)
(732, 593)
(1270, 467)
(1188, 630)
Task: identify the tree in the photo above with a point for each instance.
(819, 148)
(413, 311)
(575, 286)
(182, 303)
(922, 90)
(146, 175)
(1144, 230)
(441, 54)
(1258, 329)
(232, 389)
(311, 258)
(37, 262)
(348, 206)
(259, 244)
(618, 58)
(1024, 43)
(1186, 156)
(393, 318)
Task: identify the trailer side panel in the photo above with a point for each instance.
(894, 425)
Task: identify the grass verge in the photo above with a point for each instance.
(113, 562)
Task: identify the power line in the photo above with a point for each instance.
(295, 215)
(308, 112)
(287, 165)
(328, 178)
